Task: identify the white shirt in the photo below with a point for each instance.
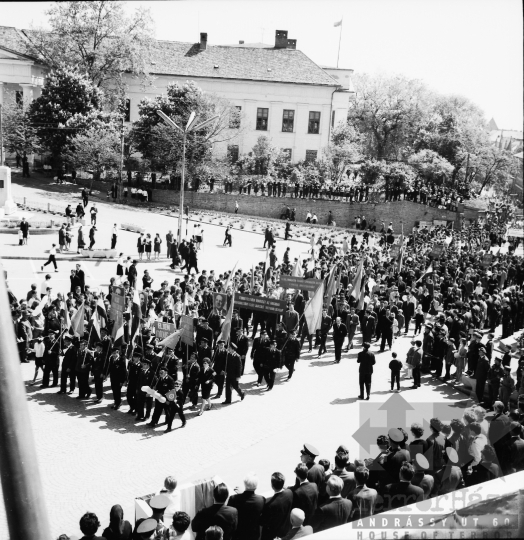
(52, 251)
(39, 349)
(43, 287)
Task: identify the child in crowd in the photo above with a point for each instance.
(395, 366)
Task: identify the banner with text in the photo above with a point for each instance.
(186, 327)
(260, 303)
(118, 302)
(164, 329)
(295, 282)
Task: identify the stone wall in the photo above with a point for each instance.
(344, 213)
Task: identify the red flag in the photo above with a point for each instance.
(313, 310)
(136, 313)
(226, 325)
(101, 311)
(118, 329)
(96, 324)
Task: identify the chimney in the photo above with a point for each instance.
(291, 44)
(281, 39)
(203, 41)
(241, 42)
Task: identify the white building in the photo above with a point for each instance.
(280, 92)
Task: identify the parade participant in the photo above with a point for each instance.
(233, 372)
(366, 360)
(144, 402)
(242, 345)
(134, 368)
(192, 380)
(207, 376)
(258, 353)
(176, 401)
(164, 385)
(84, 361)
(99, 370)
(291, 353)
(339, 335)
(270, 363)
(117, 375)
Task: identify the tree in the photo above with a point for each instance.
(455, 128)
(388, 111)
(97, 38)
(95, 150)
(19, 135)
(69, 100)
(162, 145)
(344, 150)
(431, 166)
(496, 168)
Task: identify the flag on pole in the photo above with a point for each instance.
(77, 322)
(400, 253)
(118, 329)
(102, 314)
(96, 324)
(64, 313)
(361, 300)
(136, 312)
(252, 278)
(38, 309)
(331, 283)
(297, 269)
(338, 23)
(426, 273)
(266, 268)
(231, 275)
(357, 282)
(137, 331)
(171, 341)
(313, 310)
(226, 325)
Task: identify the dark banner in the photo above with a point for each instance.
(293, 282)
(118, 302)
(260, 303)
(186, 327)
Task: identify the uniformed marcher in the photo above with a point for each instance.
(51, 359)
(99, 371)
(260, 344)
(158, 504)
(135, 366)
(144, 402)
(203, 351)
(233, 374)
(117, 376)
(219, 366)
(271, 362)
(171, 363)
(163, 386)
(242, 344)
(146, 529)
(192, 380)
(366, 360)
(175, 403)
(84, 360)
(291, 352)
(68, 365)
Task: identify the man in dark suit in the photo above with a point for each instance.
(404, 492)
(366, 360)
(305, 495)
(297, 528)
(275, 515)
(416, 363)
(498, 433)
(336, 511)
(340, 332)
(218, 514)
(249, 506)
(316, 472)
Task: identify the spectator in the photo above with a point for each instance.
(180, 525)
(275, 515)
(89, 524)
(449, 478)
(298, 530)
(249, 506)
(348, 478)
(336, 511)
(217, 514)
(170, 484)
(305, 493)
(402, 493)
(118, 529)
(214, 533)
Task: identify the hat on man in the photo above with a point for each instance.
(137, 351)
(147, 526)
(429, 325)
(204, 340)
(220, 341)
(476, 333)
(422, 462)
(452, 455)
(159, 502)
(309, 450)
(232, 346)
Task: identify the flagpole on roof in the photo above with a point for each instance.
(339, 39)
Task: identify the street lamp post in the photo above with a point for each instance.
(190, 126)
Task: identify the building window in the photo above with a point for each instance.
(333, 119)
(314, 122)
(127, 110)
(288, 152)
(288, 120)
(262, 115)
(311, 155)
(232, 152)
(234, 118)
(19, 97)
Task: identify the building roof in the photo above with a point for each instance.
(237, 62)
(14, 40)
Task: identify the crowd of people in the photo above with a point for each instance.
(378, 287)
(409, 469)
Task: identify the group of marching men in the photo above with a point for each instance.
(151, 372)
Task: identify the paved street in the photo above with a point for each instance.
(92, 457)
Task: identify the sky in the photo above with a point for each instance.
(468, 47)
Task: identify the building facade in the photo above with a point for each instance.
(279, 92)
